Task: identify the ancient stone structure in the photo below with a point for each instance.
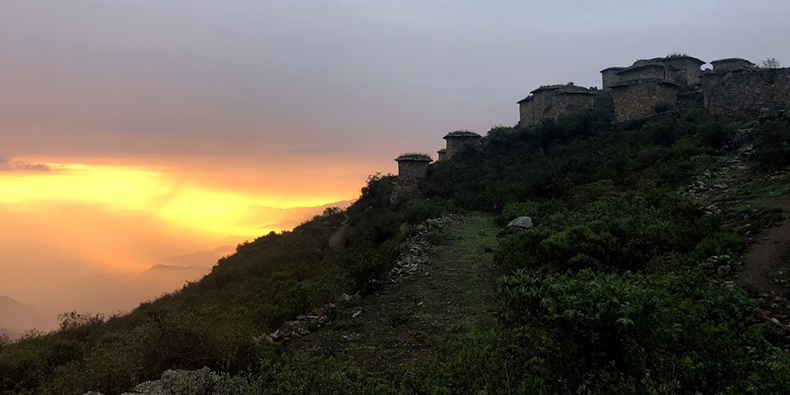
(736, 86)
(732, 64)
(638, 99)
(679, 69)
(688, 68)
(648, 71)
(442, 154)
(412, 167)
(553, 102)
(456, 140)
(609, 76)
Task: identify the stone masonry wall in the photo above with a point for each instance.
(638, 100)
(648, 73)
(746, 91)
(609, 77)
(569, 103)
(553, 104)
(412, 170)
(455, 144)
(526, 111)
(689, 70)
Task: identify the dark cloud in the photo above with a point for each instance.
(15, 165)
(200, 77)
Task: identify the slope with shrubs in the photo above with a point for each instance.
(613, 291)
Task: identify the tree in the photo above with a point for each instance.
(771, 63)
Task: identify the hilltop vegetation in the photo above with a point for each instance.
(616, 290)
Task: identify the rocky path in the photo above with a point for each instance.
(443, 283)
(763, 263)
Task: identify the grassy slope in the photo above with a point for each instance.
(412, 318)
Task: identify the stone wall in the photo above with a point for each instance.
(409, 170)
(442, 154)
(731, 64)
(746, 91)
(526, 112)
(609, 76)
(638, 99)
(455, 144)
(553, 104)
(647, 72)
(689, 69)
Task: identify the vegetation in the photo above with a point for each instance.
(613, 290)
(771, 63)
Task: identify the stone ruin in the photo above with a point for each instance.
(457, 140)
(738, 86)
(553, 102)
(412, 167)
(442, 154)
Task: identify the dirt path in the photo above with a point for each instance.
(765, 259)
(454, 293)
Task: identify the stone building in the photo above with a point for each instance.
(456, 140)
(731, 64)
(637, 99)
(688, 68)
(412, 167)
(553, 102)
(648, 71)
(737, 86)
(609, 76)
(683, 70)
(442, 154)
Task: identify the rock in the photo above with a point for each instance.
(92, 393)
(775, 321)
(356, 314)
(301, 317)
(724, 270)
(520, 222)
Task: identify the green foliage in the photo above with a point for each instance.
(624, 232)
(773, 143)
(610, 292)
(638, 334)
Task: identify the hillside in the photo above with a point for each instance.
(19, 317)
(653, 267)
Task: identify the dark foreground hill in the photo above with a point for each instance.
(629, 283)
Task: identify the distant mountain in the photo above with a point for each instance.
(205, 258)
(19, 317)
(289, 217)
(164, 278)
(11, 334)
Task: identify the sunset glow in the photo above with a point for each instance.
(157, 192)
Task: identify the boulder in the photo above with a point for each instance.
(520, 223)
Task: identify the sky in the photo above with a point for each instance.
(134, 130)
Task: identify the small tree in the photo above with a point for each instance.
(771, 63)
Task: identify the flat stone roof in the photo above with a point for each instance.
(615, 68)
(443, 150)
(730, 60)
(414, 157)
(526, 99)
(561, 87)
(461, 134)
(670, 57)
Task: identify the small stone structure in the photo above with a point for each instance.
(737, 86)
(412, 167)
(647, 71)
(553, 102)
(609, 76)
(456, 140)
(683, 70)
(688, 68)
(731, 64)
(442, 154)
(638, 99)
